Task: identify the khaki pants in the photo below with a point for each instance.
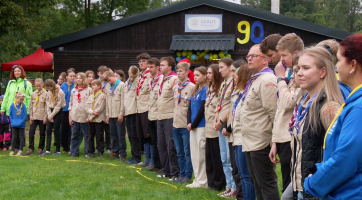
(197, 147)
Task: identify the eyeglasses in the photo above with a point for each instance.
(253, 56)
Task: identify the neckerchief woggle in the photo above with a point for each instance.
(264, 71)
(94, 97)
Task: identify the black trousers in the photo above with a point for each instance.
(132, 136)
(56, 125)
(66, 131)
(214, 170)
(42, 128)
(18, 134)
(285, 156)
(142, 125)
(108, 140)
(262, 174)
(166, 147)
(235, 172)
(5, 136)
(96, 129)
(153, 133)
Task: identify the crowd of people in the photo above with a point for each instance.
(227, 124)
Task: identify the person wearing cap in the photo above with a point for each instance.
(191, 73)
(4, 130)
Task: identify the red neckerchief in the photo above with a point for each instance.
(153, 83)
(170, 75)
(141, 81)
(180, 87)
(79, 90)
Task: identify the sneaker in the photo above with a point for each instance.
(30, 151)
(69, 153)
(193, 185)
(231, 194)
(160, 171)
(5, 149)
(96, 151)
(20, 153)
(129, 160)
(175, 179)
(135, 161)
(100, 155)
(114, 156)
(184, 180)
(40, 151)
(150, 167)
(143, 164)
(108, 151)
(11, 153)
(45, 153)
(122, 159)
(56, 153)
(89, 155)
(225, 192)
(163, 176)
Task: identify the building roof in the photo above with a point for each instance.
(166, 10)
(203, 42)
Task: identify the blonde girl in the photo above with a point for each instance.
(17, 115)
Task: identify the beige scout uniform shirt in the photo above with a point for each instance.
(258, 112)
(326, 115)
(165, 103)
(288, 97)
(113, 107)
(99, 106)
(180, 112)
(236, 125)
(230, 120)
(55, 106)
(225, 104)
(78, 110)
(129, 100)
(153, 111)
(38, 112)
(143, 99)
(210, 108)
(105, 87)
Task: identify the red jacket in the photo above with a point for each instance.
(191, 76)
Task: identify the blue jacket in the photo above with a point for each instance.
(345, 90)
(66, 89)
(339, 176)
(4, 119)
(17, 121)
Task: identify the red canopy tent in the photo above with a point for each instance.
(39, 61)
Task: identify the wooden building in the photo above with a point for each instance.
(193, 25)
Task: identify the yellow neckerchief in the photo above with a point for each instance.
(339, 112)
(37, 98)
(51, 92)
(18, 110)
(94, 97)
(69, 86)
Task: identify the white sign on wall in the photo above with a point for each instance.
(203, 23)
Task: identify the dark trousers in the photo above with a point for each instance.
(262, 174)
(56, 125)
(214, 170)
(66, 131)
(142, 125)
(132, 136)
(118, 134)
(153, 133)
(18, 134)
(107, 137)
(166, 147)
(42, 128)
(285, 156)
(96, 129)
(235, 172)
(5, 136)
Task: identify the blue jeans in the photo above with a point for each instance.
(118, 135)
(75, 140)
(246, 184)
(181, 137)
(225, 159)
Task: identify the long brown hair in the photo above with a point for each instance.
(22, 75)
(243, 74)
(203, 71)
(216, 77)
(55, 91)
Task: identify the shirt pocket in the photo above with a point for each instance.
(253, 100)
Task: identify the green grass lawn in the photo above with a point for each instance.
(61, 177)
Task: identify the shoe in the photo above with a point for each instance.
(11, 153)
(30, 151)
(122, 159)
(100, 155)
(89, 155)
(143, 164)
(56, 153)
(95, 151)
(163, 176)
(225, 192)
(129, 160)
(20, 153)
(135, 161)
(231, 194)
(114, 156)
(45, 153)
(175, 179)
(5, 149)
(150, 167)
(65, 152)
(40, 151)
(160, 171)
(184, 180)
(108, 151)
(193, 185)
(69, 153)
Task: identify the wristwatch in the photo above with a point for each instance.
(221, 121)
(280, 79)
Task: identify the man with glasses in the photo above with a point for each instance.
(258, 107)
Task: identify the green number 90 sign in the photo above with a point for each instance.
(250, 33)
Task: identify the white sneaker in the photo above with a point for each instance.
(193, 185)
(96, 151)
(108, 151)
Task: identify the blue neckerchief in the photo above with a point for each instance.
(237, 102)
(300, 115)
(115, 86)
